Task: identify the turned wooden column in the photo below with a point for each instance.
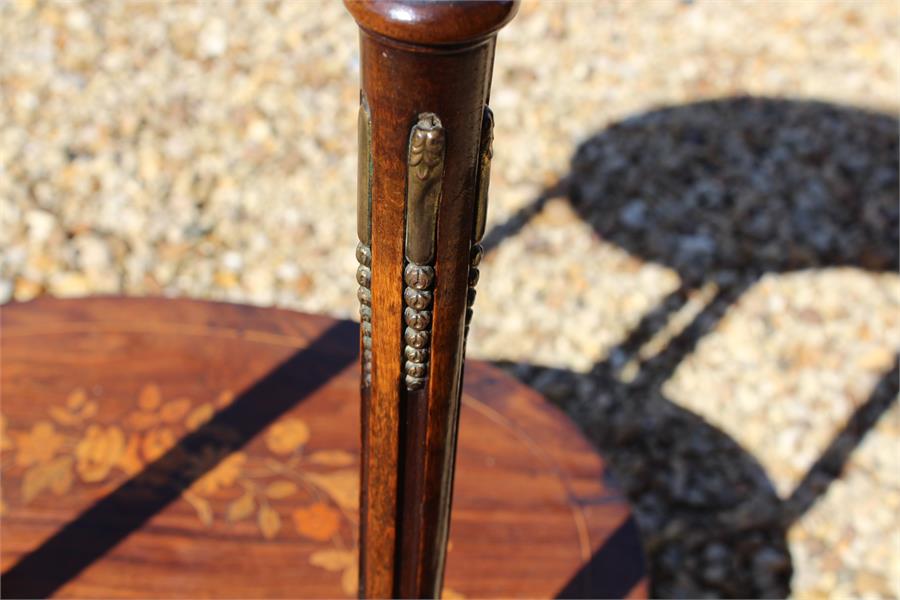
(425, 147)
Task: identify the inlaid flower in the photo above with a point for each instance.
(223, 475)
(199, 416)
(287, 435)
(318, 521)
(99, 450)
(38, 445)
(77, 409)
(130, 461)
(157, 442)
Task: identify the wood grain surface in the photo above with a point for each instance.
(174, 448)
(418, 58)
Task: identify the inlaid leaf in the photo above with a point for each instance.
(342, 486)
(77, 409)
(157, 442)
(332, 560)
(130, 461)
(202, 508)
(199, 416)
(64, 417)
(89, 410)
(142, 421)
(317, 521)
(332, 458)
(449, 594)
(149, 397)
(62, 475)
(269, 521)
(55, 475)
(281, 489)
(175, 410)
(241, 508)
(76, 399)
(224, 399)
(350, 579)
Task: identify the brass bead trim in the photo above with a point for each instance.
(364, 293)
(364, 231)
(423, 194)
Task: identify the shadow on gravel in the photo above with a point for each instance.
(723, 192)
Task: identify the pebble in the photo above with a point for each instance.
(6, 291)
(40, 225)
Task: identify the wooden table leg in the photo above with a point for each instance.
(425, 135)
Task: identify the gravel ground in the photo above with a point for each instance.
(706, 193)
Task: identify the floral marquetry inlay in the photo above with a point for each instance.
(287, 489)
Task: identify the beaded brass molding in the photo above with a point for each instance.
(485, 154)
(423, 193)
(364, 232)
(364, 293)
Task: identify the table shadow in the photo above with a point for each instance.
(723, 192)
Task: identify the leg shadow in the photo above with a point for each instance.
(831, 463)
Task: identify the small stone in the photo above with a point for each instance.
(6, 291)
(69, 285)
(93, 253)
(634, 215)
(232, 261)
(770, 561)
(40, 225)
(875, 359)
(213, 39)
(26, 289)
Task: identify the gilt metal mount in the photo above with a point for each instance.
(364, 231)
(425, 169)
(485, 154)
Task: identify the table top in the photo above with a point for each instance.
(176, 448)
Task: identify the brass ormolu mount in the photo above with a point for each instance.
(425, 169)
(485, 154)
(423, 196)
(364, 232)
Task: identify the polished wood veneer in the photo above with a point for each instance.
(175, 448)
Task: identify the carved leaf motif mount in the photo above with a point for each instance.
(423, 194)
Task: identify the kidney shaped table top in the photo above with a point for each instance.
(176, 448)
